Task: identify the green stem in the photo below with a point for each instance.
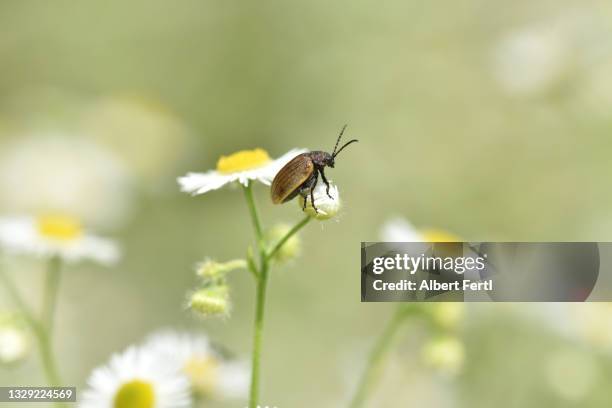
(13, 292)
(289, 234)
(45, 339)
(248, 193)
(262, 283)
(376, 360)
(261, 275)
(52, 281)
(39, 329)
(48, 359)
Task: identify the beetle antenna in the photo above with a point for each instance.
(338, 141)
(346, 144)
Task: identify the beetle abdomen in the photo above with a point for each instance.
(289, 179)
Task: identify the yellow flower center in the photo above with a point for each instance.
(59, 227)
(434, 235)
(202, 371)
(243, 160)
(135, 394)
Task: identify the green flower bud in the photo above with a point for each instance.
(211, 269)
(211, 301)
(445, 354)
(447, 315)
(291, 248)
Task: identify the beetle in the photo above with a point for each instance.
(301, 174)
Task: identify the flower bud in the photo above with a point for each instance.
(14, 339)
(445, 354)
(447, 315)
(290, 249)
(211, 269)
(327, 206)
(210, 301)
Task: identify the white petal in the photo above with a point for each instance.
(200, 183)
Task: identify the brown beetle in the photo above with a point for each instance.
(301, 174)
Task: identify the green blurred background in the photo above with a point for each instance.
(490, 119)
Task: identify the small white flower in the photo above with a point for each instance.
(137, 378)
(49, 236)
(327, 206)
(399, 229)
(210, 374)
(242, 166)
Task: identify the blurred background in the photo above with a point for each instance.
(490, 119)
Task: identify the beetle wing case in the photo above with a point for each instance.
(289, 179)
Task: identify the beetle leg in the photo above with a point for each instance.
(326, 183)
(314, 184)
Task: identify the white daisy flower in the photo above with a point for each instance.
(399, 229)
(137, 378)
(327, 206)
(211, 374)
(242, 166)
(53, 172)
(49, 236)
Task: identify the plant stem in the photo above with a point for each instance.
(289, 234)
(45, 339)
(39, 329)
(261, 275)
(262, 283)
(248, 192)
(52, 280)
(376, 360)
(11, 288)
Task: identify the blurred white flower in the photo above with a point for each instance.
(14, 340)
(326, 207)
(49, 236)
(57, 173)
(124, 123)
(242, 166)
(445, 354)
(399, 229)
(532, 59)
(211, 375)
(137, 378)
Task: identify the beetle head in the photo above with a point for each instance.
(331, 160)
